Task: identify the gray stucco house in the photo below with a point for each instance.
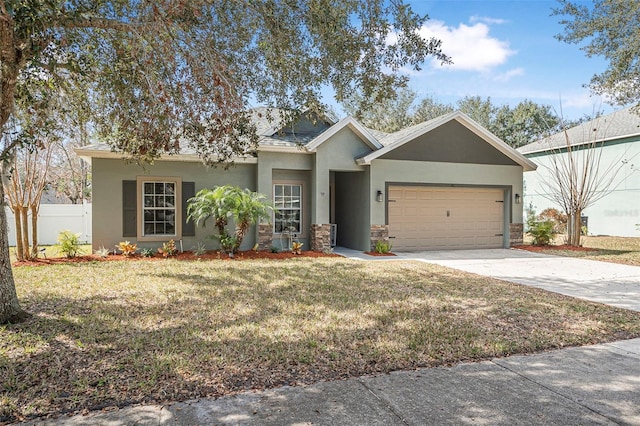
(443, 184)
(614, 141)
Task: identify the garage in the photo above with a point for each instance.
(445, 218)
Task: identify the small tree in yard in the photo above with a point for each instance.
(227, 202)
(577, 174)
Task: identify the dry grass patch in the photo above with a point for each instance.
(624, 250)
(115, 333)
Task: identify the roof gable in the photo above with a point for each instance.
(357, 128)
(448, 139)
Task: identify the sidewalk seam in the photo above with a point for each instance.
(557, 393)
(386, 404)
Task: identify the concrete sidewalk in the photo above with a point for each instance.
(597, 385)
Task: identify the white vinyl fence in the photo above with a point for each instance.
(54, 218)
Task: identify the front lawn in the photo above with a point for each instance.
(115, 333)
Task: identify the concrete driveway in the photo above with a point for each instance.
(610, 283)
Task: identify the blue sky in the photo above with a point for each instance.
(506, 50)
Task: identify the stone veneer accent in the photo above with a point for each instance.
(379, 233)
(265, 236)
(516, 234)
(320, 237)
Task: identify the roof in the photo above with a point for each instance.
(618, 125)
(270, 123)
(362, 132)
(399, 138)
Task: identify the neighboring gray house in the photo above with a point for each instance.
(444, 184)
(617, 135)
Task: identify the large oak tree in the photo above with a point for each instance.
(610, 29)
(165, 74)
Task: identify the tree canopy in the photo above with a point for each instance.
(165, 74)
(610, 28)
(517, 126)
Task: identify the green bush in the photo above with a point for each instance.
(542, 231)
(69, 243)
(382, 247)
(146, 252)
(199, 249)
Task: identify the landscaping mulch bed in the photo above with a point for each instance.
(184, 256)
(542, 249)
(373, 253)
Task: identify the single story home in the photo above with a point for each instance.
(612, 142)
(447, 183)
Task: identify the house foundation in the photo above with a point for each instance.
(265, 236)
(516, 234)
(379, 233)
(320, 237)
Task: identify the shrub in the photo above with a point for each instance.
(168, 249)
(558, 218)
(542, 231)
(146, 252)
(199, 249)
(296, 247)
(127, 248)
(275, 249)
(69, 243)
(102, 251)
(382, 247)
(227, 243)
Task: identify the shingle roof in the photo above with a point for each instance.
(618, 125)
(417, 129)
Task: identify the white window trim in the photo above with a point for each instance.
(303, 228)
(140, 181)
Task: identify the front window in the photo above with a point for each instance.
(159, 208)
(159, 205)
(288, 203)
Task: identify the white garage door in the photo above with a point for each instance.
(434, 218)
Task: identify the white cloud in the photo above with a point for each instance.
(470, 47)
(487, 20)
(506, 76)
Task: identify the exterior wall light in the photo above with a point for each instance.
(379, 196)
(518, 199)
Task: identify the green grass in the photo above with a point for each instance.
(116, 333)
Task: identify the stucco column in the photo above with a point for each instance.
(320, 183)
(264, 185)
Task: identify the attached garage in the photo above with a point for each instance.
(444, 218)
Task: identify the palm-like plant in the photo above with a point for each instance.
(209, 203)
(245, 207)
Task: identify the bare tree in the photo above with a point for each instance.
(24, 188)
(69, 176)
(577, 173)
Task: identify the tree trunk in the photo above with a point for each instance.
(10, 311)
(24, 212)
(34, 232)
(574, 229)
(18, 222)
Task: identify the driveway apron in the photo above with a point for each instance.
(603, 282)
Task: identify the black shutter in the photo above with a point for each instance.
(129, 208)
(188, 191)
